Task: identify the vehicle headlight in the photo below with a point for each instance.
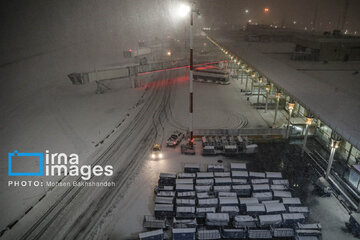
(160, 155)
(153, 155)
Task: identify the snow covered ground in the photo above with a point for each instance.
(216, 106)
(219, 107)
(41, 110)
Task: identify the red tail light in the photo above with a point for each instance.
(174, 142)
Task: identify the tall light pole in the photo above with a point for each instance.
(334, 144)
(308, 123)
(247, 78)
(278, 95)
(253, 76)
(259, 88)
(267, 96)
(291, 106)
(192, 10)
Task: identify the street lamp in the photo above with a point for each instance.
(334, 144)
(183, 10)
(278, 95)
(247, 77)
(259, 88)
(253, 76)
(309, 120)
(291, 106)
(268, 86)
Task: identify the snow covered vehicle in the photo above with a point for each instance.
(156, 152)
(174, 139)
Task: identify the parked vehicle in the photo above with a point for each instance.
(174, 139)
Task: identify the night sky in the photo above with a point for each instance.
(33, 24)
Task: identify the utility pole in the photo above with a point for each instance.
(191, 140)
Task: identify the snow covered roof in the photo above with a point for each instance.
(228, 201)
(164, 200)
(203, 188)
(245, 218)
(222, 174)
(185, 209)
(332, 105)
(280, 181)
(208, 234)
(309, 225)
(258, 207)
(270, 201)
(227, 194)
(217, 217)
(223, 180)
(292, 216)
(248, 200)
(270, 219)
(259, 181)
(208, 201)
(166, 194)
(226, 188)
(205, 209)
(184, 230)
(273, 175)
(225, 209)
(186, 175)
(150, 234)
(299, 209)
(164, 207)
(188, 187)
(243, 174)
(204, 174)
(203, 195)
(167, 175)
(241, 187)
(275, 207)
(204, 181)
(238, 166)
(259, 234)
(292, 201)
(257, 174)
(185, 201)
(278, 187)
(184, 181)
(186, 194)
(261, 187)
(239, 181)
(282, 194)
(263, 195)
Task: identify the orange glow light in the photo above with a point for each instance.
(266, 10)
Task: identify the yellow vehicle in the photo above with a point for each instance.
(156, 152)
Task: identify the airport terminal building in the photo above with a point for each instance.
(312, 80)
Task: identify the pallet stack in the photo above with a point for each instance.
(235, 204)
